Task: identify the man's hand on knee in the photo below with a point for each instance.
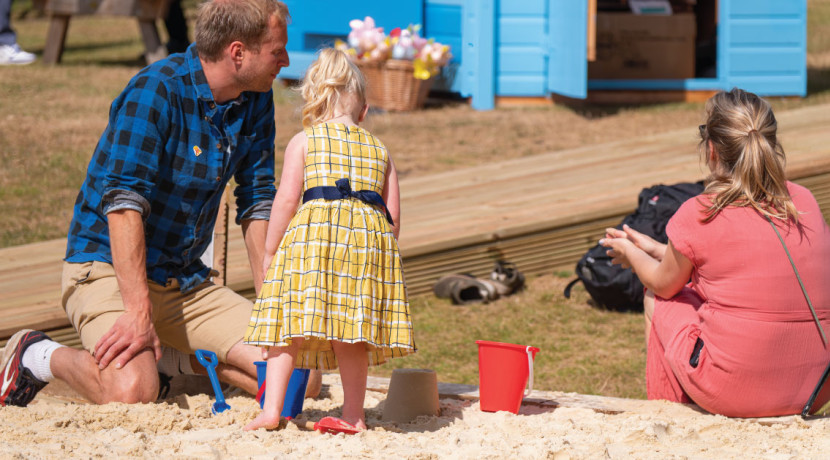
(131, 333)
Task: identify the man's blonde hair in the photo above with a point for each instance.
(221, 22)
(328, 79)
(742, 128)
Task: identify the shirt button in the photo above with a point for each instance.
(218, 145)
(212, 105)
(207, 118)
(218, 178)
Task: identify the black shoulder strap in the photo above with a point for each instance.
(567, 292)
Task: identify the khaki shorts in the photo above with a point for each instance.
(209, 317)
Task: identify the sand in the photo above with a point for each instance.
(551, 426)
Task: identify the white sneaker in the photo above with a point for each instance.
(13, 55)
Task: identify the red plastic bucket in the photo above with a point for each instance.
(504, 369)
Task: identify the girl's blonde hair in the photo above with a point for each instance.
(751, 161)
(331, 77)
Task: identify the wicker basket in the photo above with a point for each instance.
(392, 86)
(401, 90)
(374, 82)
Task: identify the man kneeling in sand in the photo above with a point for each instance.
(133, 283)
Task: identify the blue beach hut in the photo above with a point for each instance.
(538, 48)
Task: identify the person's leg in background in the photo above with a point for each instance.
(176, 25)
(10, 52)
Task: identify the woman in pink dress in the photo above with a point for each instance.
(739, 339)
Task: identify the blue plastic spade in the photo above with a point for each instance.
(208, 359)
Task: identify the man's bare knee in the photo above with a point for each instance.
(135, 390)
(137, 382)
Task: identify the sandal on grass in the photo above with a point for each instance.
(444, 286)
(508, 278)
(473, 290)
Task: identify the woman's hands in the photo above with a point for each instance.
(655, 249)
(619, 247)
(660, 267)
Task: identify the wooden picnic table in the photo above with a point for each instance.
(145, 11)
(541, 212)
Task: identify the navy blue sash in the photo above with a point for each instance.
(343, 190)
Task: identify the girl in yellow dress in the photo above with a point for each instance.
(334, 293)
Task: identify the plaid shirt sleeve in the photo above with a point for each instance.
(255, 178)
(132, 164)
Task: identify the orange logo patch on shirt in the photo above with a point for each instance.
(197, 150)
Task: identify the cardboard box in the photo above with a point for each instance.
(633, 46)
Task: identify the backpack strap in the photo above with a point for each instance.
(567, 292)
(800, 283)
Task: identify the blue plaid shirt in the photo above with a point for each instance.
(168, 152)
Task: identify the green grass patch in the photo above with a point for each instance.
(583, 349)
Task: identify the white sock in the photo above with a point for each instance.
(174, 362)
(38, 357)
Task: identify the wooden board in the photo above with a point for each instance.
(541, 212)
(542, 401)
(146, 11)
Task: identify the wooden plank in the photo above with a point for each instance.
(453, 201)
(33, 253)
(143, 9)
(592, 31)
(518, 101)
(615, 97)
(146, 11)
(549, 400)
(220, 240)
(541, 212)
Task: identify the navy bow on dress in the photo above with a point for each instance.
(343, 189)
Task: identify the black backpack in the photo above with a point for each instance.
(617, 288)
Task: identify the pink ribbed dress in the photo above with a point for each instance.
(762, 353)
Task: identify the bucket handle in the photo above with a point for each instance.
(529, 371)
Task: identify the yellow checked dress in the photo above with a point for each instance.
(337, 273)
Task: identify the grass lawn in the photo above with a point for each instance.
(52, 117)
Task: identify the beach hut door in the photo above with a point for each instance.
(567, 48)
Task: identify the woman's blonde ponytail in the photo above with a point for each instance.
(750, 168)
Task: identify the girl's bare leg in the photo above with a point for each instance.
(280, 365)
(354, 369)
(648, 312)
(315, 384)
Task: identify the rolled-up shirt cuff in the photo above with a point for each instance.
(259, 211)
(118, 199)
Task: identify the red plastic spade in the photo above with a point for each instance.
(331, 425)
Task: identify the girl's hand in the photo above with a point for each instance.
(265, 267)
(266, 264)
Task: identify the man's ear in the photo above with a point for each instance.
(235, 51)
(363, 113)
